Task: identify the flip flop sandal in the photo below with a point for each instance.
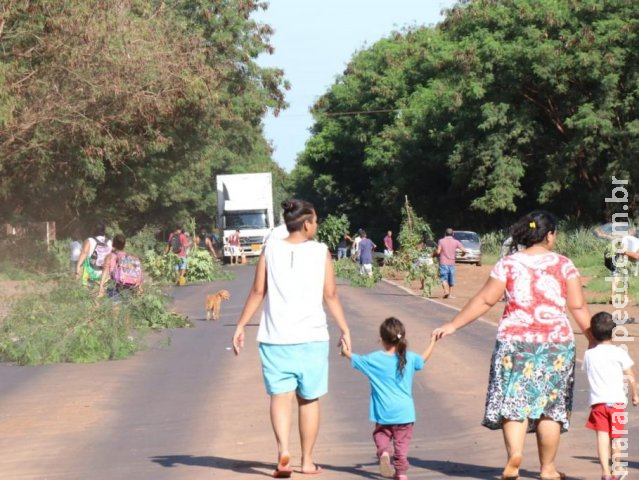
(283, 469)
(282, 473)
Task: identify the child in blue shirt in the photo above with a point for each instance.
(390, 373)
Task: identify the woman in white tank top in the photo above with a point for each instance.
(293, 334)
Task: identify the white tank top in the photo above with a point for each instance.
(293, 309)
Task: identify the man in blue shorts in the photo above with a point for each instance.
(446, 249)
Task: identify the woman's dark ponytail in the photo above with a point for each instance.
(532, 228)
(296, 212)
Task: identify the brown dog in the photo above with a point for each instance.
(214, 303)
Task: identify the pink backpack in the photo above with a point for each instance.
(127, 271)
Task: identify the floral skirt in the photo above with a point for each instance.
(530, 381)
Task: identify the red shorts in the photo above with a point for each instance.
(602, 419)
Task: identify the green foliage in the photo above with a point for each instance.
(414, 259)
(126, 112)
(67, 324)
(502, 108)
(579, 242)
(491, 244)
(350, 270)
(201, 267)
(24, 259)
(331, 230)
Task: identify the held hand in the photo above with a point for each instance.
(345, 349)
(445, 329)
(238, 340)
(635, 400)
(345, 342)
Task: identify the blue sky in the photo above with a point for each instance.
(314, 41)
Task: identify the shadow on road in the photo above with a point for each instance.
(465, 470)
(249, 467)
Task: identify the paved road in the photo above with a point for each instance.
(186, 408)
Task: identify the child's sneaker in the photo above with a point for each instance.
(385, 467)
(401, 477)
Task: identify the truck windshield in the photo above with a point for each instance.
(245, 220)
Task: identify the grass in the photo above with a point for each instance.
(68, 324)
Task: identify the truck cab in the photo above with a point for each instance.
(245, 203)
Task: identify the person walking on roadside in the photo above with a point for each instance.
(177, 244)
(91, 260)
(390, 372)
(234, 245)
(366, 248)
(531, 380)
(75, 248)
(355, 246)
(446, 250)
(388, 244)
(294, 277)
(122, 270)
(203, 242)
(342, 246)
(608, 367)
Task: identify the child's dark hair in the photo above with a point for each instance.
(601, 326)
(119, 242)
(99, 230)
(392, 332)
(296, 212)
(533, 228)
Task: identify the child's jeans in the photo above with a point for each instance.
(401, 436)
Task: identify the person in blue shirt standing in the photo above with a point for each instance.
(366, 248)
(390, 373)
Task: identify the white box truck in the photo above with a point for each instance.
(245, 203)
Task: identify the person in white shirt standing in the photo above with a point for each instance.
(607, 366)
(293, 333)
(632, 251)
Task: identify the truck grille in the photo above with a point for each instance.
(248, 241)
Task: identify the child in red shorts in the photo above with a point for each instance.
(607, 366)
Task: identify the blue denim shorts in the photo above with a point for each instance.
(181, 265)
(447, 274)
(302, 367)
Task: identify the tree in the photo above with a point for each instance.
(505, 106)
(127, 109)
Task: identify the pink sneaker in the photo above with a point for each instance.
(401, 477)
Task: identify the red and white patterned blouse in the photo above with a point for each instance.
(536, 297)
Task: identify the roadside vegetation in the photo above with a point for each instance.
(411, 262)
(53, 319)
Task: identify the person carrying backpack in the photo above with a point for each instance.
(203, 242)
(94, 251)
(122, 269)
(177, 244)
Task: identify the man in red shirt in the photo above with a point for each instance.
(388, 244)
(446, 250)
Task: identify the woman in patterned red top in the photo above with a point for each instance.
(532, 368)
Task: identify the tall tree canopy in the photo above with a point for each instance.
(126, 109)
(507, 105)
